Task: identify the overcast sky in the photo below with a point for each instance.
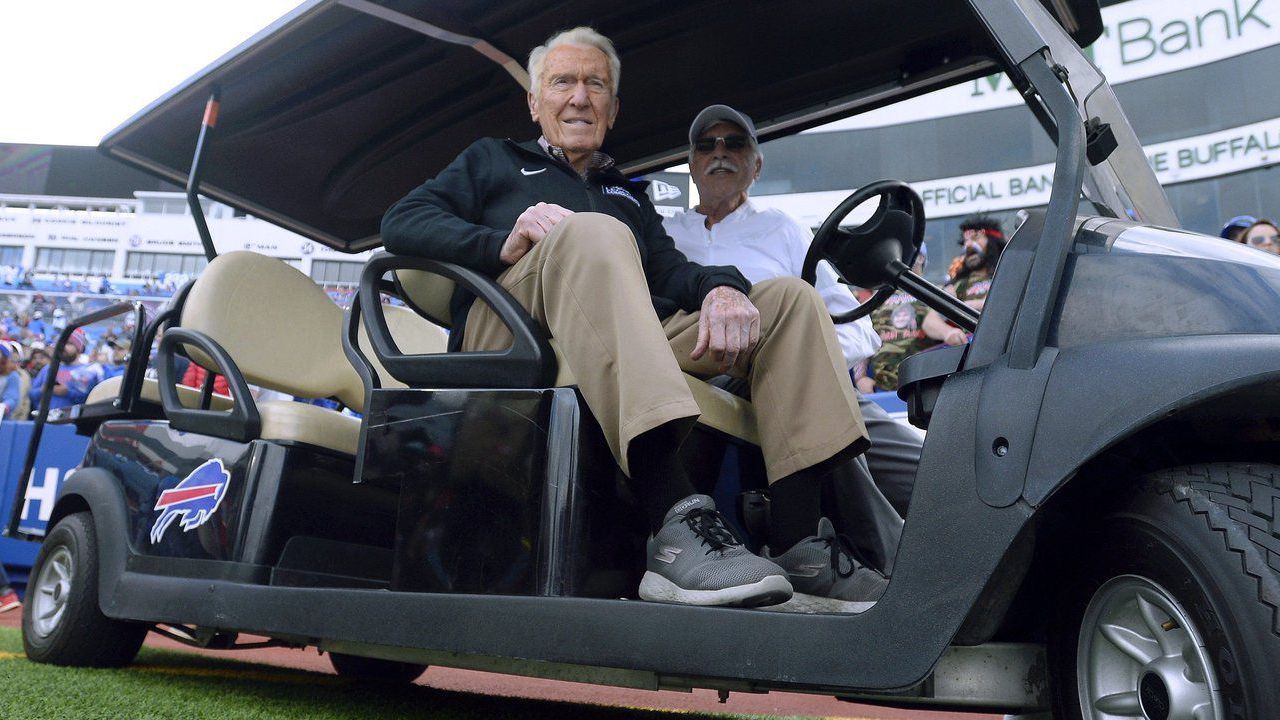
(76, 69)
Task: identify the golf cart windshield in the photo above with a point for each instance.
(1123, 183)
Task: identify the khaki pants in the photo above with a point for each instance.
(584, 283)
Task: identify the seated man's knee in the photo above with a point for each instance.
(591, 232)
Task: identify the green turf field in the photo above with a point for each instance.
(165, 685)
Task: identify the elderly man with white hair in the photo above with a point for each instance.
(582, 249)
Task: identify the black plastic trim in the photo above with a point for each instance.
(931, 295)
(1035, 313)
(241, 423)
(98, 490)
(42, 411)
(368, 375)
(528, 363)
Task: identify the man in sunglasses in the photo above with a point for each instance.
(726, 227)
(582, 248)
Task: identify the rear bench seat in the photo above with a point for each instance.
(285, 334)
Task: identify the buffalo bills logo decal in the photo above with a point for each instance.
(195, 499)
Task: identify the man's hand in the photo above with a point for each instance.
(865, 385)
(60, 390)
(956, 336)
(531, 227)
(728, 327)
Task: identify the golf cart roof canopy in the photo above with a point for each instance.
(338, 109)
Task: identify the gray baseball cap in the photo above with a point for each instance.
(720, 113)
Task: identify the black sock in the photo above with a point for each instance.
(657, 477)
(795, 506)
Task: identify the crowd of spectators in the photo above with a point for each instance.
(31, 321)
(25, 359)
(906, 326)
(1258, 233)
(20, 278)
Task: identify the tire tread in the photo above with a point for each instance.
(1240, 502)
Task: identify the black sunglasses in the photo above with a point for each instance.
(731, 142)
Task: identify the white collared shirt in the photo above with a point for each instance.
(768, 243)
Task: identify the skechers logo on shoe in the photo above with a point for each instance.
(667, 554)
(807, 571)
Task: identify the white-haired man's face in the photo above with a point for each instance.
(574, 102)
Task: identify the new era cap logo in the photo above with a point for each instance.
(660, 191)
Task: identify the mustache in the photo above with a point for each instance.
(720, 164)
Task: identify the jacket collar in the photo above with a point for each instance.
(533, 148)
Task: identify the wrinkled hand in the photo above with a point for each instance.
(728, 327)
(531, 227)
(956, 337)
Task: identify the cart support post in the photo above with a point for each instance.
(193, 179)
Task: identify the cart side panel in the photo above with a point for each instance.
(183, 493)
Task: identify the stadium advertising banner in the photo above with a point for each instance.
(1228, 151)
(1140, 39)
(61, 450)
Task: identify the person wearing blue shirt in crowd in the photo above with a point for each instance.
(11, 326)
(75, 380)
(116, 359)
(10, 384)
(10, 399)
(36, 324)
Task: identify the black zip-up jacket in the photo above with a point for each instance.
(464, 215)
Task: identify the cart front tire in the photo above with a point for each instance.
(1172, 607)
(377, 670)
(62, 623)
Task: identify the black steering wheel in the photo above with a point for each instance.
(876, 252)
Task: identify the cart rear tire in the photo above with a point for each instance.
(1172, 607)
(62, 623)
(378, 670)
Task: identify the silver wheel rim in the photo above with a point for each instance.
(50, 592)
(1140, 656)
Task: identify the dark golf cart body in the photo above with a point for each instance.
(477, 524)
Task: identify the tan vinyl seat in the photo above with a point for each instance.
(285, 334)
(721, 410)
(109, 389)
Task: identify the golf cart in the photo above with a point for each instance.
(1094, 526)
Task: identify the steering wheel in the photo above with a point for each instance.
(876, 252)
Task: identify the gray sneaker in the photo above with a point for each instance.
(695, 559)
(827, 575)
